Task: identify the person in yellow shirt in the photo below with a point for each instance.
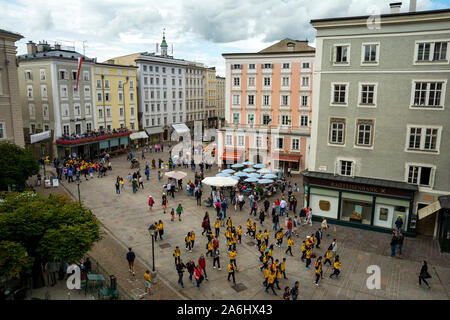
(318, 267)
(209, 247)
(279, 236)
(276, 267)
(266, 237)
(328, 257)
(270, 282)
(229, 222)
(266, 275)
(233, 255)
(253, 228)
(308, 257)
(156, 230)
(147, 282)
(192, 240)
(269, 253)
(290, 244)
(217, 226)
(187, 240)
(258, 238)
(230, 244)
(231, 270)
(303, 250)
(228, 233)
(249, 227)
(336, 265)
(262, 248)
(160, 229)
(239, 234)
(264, 259)
(282, 267)
(176, 255)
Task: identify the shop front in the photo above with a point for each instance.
(286, 161)
(360, 202)
(439, 211)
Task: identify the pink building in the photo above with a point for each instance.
(268, 106)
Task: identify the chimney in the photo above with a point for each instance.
(412, 5)
(395, 7)
(31, 47)
(40, 47)
(57, 46)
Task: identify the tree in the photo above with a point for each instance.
(17, 165)
(47, 229)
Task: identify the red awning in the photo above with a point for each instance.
(288, 158)
(230, 155)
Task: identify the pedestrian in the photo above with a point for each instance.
(318, 267)
(262, 216)
(202, 264)
(239, 234)
(38, 181)
(399, 223)
(289, 227)
(259, 236)
(309, 217)
(231, 271)
(172, 214)
(318, 237)
(400, 239)
(424, 274)
(287, 293)
(308, 256)
(394, 242)
(192, 239)
(254, 207)
(233, 255)
(176, 254)
(117, 187)
(198, 276)
(160, 229)
(190, 266)
(270, 282)
(134, 185)
(147, 173)
(324, 225)
(290, 242)
(336, 267)
(151, 202)
(216, 258)
(334, 247)
(217, 227)
(198, 196)
(159, 175)
(130, 256)
(294, 290)
(164, 202)
(179, 211)
(187, 241)
(266, 237)
(282, 267)
(147, 282)
(328, 256)
(180, 269)
(275, 220)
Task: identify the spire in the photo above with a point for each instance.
(164, 44)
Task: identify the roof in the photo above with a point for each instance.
(283, 46)
(3, 31)
(64, 54)
(401, 14)
(115, 65)
(361, 180)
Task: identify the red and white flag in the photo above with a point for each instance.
(80, 61)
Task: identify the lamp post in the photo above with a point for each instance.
(78, 187)
(151, 231)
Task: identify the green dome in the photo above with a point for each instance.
(164, 43)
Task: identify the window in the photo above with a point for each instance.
(285, 82)
(42, 75)
(341, 54)
(236, 67)
(87, 92)
(145, 80)
(250, 118)
(99, 83)
(106, 83)
(295, 144)
(107, 96)
(252, 66)
(423, 138)
(364, 133)
(100, 113)
(164, 81)
(131, 84)
(65, 110)
(241, 141)
(419, 175)
(279, 143)
(251, 99)
(164, 94)
(157, 107)
(45, 111)
(236, 99)
(337, 131)
(285, 100)
(339, 94)
(236, 81)
(305, 81)
(266, 100)
(285, 121)
(346, 168)
(74, 75)
(131, 96)
(108, 112)
(77, 111)
(304, 120)
(62, 75)
(121, 96)
(30, 92)
(88, 126)
(46, 127)
(87, 107)
(132, 125)
(32, 110)
(145, 68)
(428, 94)
(266, 66)
(367, 94)
(304, 101)
(251, 81)
(44, 92)
(165, 107)
(286, 66)
(180, 94)
(66, 129)
(164, 69)
(156, 69)
(266, 119)
(266, 81)
(370, 53)
(305, 65)
(63, 91)
(440, 51)
(99, 96)
(432, 51)
(28, 75)
(132, 111)
(236, 118)
(229, 140)
(258, 141)
(86, 75)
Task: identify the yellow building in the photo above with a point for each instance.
(210, 98)
(116, 101)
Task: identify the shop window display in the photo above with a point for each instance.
(356, 211)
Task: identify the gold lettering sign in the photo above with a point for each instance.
(324, 205)
(357, 187)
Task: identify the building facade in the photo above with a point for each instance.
(195, 93)
(220, 101)
(161, 91)
(268, 105)
(50, 99)
(116, 101)
(11, 124)
(380, 120)
(210, 117)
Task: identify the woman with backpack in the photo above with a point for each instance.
(205, 225)
(151, 202)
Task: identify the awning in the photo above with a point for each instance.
(288, 158)
(153, 130)
(429, 209)
(180, 128)
(138, 135)
(177, 175)
(230, 155)
(40, 136)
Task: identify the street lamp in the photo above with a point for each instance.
(151, 231)
(78, 186)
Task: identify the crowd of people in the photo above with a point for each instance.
(92, 134)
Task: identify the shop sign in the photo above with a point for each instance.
(323, 168)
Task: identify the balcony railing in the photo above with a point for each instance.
(92, 137)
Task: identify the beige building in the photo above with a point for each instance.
(220, 100)
(210, 98)
(11, 125)
(195, 98)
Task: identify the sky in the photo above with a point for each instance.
(198, 30)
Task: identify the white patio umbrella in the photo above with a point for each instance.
(237, 165)
(254, 175)
(259, 166)
(235, 178)
(220, 181)
(249, 170)
(265, 181)
(241, 174)
(222, 174)
(270, 176)
(247, 163)
(177, 175)
(228, 171)
(264, 171)
(251, 180)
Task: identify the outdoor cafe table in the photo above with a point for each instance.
(94, 281)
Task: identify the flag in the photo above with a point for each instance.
(80, 61)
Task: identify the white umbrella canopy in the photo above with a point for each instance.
(228, 171)
(265, 181)
(254, 175)
(270, 176)
(249, 170)
(251, 180)
(222, 174)
(237, 165)
(247, 163)
(220, 181)
(178, 175)
(241, 174)
(259, 166)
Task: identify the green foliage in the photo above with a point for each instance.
(48, 228)
(13, 259)
(16, 165)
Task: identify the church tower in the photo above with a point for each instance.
(164, 46)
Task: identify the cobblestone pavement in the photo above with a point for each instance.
(126, 217)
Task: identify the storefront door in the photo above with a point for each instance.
(425, 226)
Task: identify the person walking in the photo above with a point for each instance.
(233, 255)
(309, 217)
(117, 187)
(198, 196)
(254, 207)
(160, 229)
(147, 173)
(192, 239)
(324, 225)
(190, 266)
(424, 274)
(164, 202)
(318, 267)
(217, 227)
(202, 264)
(266, 237)
(295, 290)
(290, 243)
(187, 241)
(334, 245)
(400, 239)
(216, 258)
(270, 282)
(308, 256)
(147, 282)
(328, 256)
(198, 276)
(275, 220)
(318, 237)
(394, 242)
(282, 267)
(231, 271)
(141, 182)
(262, 216)
(179, 211)
(180, 269)
(399, 223)
(289, 226)
(176, 255)
(130, 256)
(287, 293)
(336, 266)
(151, 202)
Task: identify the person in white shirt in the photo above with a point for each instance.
(240, 200)
(283, 205)
(251, 197)
(309, 217)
